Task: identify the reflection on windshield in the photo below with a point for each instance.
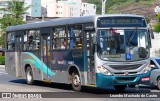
(114, 44)
(158, 61)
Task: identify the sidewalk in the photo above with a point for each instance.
(2, 66)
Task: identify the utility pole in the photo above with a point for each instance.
(103, 6)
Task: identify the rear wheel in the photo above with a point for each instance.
(120, 87)
(76, 81)
(158, 83)
(29, 75)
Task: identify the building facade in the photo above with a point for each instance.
(61, 8)
(36, 8)
(88, 9)
(3, 4)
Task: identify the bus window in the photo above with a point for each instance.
(33, 40)
(59, 38)
(11, 41)
(75, 37)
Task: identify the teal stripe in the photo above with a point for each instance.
(38, 64)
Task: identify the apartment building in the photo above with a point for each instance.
(61, 8)
(3, 4)
(88, 9)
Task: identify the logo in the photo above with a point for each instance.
(6, 95)
(128, 56)
(126, 73)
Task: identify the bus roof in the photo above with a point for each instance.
(64, 21)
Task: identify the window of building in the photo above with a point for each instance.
(11, 41)
(59, 38)
(94, 7)
(32, 40)
(84, 5)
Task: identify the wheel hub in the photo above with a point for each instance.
(29, 77)
(76, 80)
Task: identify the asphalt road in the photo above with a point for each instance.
(62, 91)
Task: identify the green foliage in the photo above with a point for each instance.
(110, 4)
(157, 27)
(158, 17)
(2, 60)
(2, 39)
(137, 0)
(98, 4)
(14, 16)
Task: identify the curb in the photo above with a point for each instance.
(2, 66)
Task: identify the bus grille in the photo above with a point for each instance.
(123, 73)
(125, 67)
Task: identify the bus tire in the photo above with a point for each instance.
(158, 83)
(120, 87)
(29, 75)
(76, 81)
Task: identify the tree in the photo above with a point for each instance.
(157, 25)
(15, 11)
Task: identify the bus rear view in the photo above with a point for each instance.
(122, 51)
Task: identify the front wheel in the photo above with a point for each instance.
(29, 76)
(120, 87)
(158, 83)
(76, 82)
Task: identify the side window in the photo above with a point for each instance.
(59, 38)
(32, 40)
(75, 37)
(11, 41)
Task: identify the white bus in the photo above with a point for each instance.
(99, 51)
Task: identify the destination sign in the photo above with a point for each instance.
(121, 22)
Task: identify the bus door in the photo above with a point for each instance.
(18, 53)
(45, 52)
(90, 56)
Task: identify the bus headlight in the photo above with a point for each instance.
(146, 69)
(104, 70)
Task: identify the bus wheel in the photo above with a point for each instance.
(29, 76)
(132, 86)
(158, 83)
(76, 82)
(120, 87)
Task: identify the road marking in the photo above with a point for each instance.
(3, 73)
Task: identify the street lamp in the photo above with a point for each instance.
(103, 6)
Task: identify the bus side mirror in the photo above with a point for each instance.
(151, 34)
(150, 31)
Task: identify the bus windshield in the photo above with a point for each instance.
(114, 44)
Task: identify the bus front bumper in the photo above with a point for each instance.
(103, 80)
